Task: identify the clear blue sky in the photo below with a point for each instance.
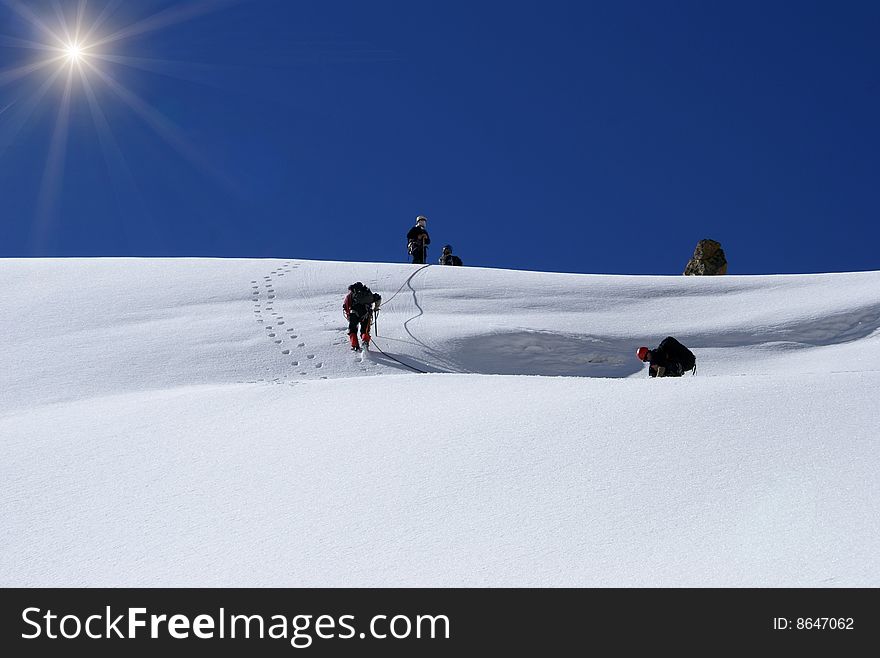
(603, 137)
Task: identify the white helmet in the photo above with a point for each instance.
(421, 218)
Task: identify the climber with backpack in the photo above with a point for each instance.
(417, 241)
(669, 359)
(448, 258)
(359, 306)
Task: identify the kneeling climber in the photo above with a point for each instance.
(669, 359)
(448, 258)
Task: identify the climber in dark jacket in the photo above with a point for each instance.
(669, 359)
(417, 241)
(448, 258)
(358, 307)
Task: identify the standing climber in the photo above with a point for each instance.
(669, 359)
(448, 258)
(358, 307)
(417, 241)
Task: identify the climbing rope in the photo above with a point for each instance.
(404, 284)
(388, 356)
(387, 301)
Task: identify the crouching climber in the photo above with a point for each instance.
(448, 258)
(669, 359)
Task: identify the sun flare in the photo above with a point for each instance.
(74, 53)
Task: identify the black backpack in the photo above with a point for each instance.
(675, 351)
(361, 295)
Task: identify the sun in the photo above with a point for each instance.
(74, 53)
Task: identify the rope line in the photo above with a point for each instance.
(404, 284)
(406, 365)
(387, 301)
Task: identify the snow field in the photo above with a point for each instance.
(154, 433)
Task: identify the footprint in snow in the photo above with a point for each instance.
(310, 356)
(278, 342)
(319, 365)
(301, 345)
(271, 335)
(285, 352)
(295, 363)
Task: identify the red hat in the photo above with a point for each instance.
(642, 353)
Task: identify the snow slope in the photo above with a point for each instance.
(202, 422)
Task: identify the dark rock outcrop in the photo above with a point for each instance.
(708, 260)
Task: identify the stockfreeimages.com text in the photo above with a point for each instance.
(300, 630)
